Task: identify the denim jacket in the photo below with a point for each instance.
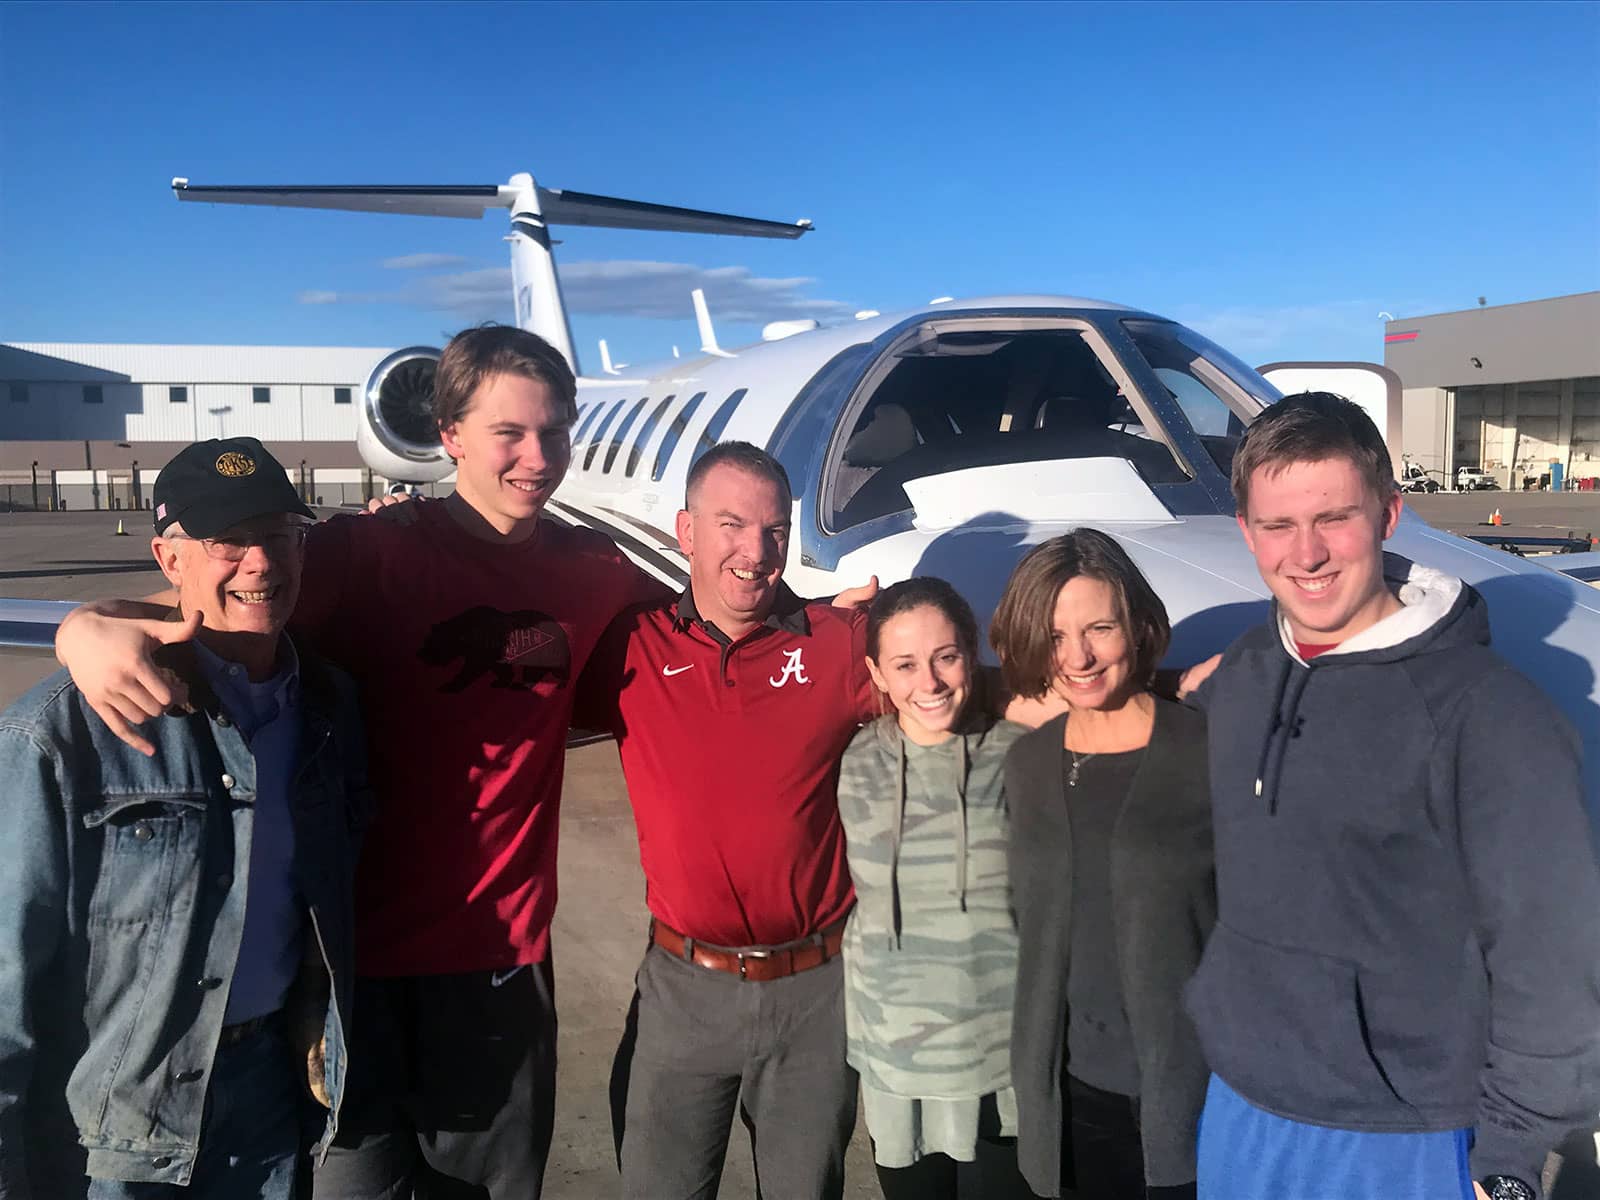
(122, 898)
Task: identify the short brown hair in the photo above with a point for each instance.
(749, 458)
(1023, 625)
(1312, 427)
(476, 354)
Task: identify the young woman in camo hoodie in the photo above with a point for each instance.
(931, 948)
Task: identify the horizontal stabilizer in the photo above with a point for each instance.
(474, 200)
(581, 208)
(446, 201)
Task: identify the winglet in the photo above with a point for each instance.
(708, 335)
(606, 364)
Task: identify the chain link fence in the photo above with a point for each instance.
(46, 490)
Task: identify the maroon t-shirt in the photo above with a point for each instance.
(731, 754)
(465, 653)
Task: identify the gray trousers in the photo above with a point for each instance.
(701, 1045)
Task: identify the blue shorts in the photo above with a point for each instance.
(1249, 1154)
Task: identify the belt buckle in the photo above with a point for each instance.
(744, 954)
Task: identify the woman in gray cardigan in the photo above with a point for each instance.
(1112, 879)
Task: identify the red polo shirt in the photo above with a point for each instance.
(731, 755)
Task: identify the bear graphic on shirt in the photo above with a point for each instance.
(516, 649)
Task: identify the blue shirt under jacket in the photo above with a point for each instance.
(267, 713)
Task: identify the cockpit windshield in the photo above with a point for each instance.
(954, 398)
(1218, 393)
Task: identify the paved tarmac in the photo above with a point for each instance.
(1549, 512)
(599, 927)
(600, 922)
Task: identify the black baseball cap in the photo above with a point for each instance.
(212, 486)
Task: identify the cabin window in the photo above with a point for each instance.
(93, 393)
(18, 392)
(622, 434)
(341, 395)
(177, 395)
(645, 430)
(957, 398)
(600, 432)
(669, 443)
(1218, 393)
(261, 395)
(712, 434)
(586, 419)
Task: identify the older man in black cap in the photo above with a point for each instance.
(175, 946)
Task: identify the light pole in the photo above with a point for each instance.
(94, 480)
(218, 413)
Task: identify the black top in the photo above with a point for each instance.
(1099, 1042)
(1162, 906)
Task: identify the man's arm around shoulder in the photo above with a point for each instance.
(108, 646)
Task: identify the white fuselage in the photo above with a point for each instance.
(803, 399)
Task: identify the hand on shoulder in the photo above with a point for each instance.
(110, 654)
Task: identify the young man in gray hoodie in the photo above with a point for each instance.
(1402, 994)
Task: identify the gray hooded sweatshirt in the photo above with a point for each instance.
(1408, 933)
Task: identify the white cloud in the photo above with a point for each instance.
(661, 290)
(1334, 329)
(657, 290)
(423, 262)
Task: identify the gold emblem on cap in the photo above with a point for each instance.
(235, 465)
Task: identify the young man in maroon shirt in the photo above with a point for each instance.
(731, 707)
(464, 629)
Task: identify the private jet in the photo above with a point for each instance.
(942, 440)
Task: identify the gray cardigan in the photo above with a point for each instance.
(1163, 906)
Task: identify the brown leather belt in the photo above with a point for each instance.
(760, 964)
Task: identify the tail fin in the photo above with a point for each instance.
(537, 292)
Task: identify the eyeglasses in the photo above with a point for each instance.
(233, 547)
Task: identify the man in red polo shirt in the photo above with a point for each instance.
(731, 707)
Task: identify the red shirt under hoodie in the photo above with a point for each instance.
(731, 754)
(466, 653)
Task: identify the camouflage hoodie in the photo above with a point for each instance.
(931, 947)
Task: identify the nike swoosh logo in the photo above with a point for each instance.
(500, 978)
(671, 671)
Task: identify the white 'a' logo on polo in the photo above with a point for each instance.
(792, 669)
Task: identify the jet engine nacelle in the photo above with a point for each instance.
(396, 434)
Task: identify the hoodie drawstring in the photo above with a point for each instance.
(897, 831)
(961, 822)
(894, 841)
(1269, 769)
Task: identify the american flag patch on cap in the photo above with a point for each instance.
(161, 511)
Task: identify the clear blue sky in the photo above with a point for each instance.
(1274, 174)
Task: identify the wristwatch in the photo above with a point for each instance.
(1506, 1187)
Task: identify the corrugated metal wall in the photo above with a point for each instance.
(53, 391)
